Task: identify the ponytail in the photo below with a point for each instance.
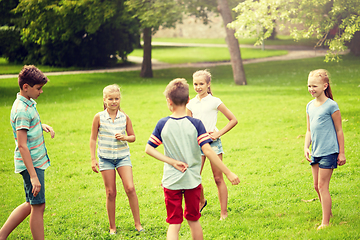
(206, 75)
(324, 76)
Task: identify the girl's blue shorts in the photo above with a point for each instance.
(109, 164)
(328, 162)
(216, 145)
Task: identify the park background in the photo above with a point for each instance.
(265, 149)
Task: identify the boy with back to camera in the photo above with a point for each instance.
(181, 136)
(30, 154)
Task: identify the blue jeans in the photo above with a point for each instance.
(109, 164)
(328, 162)
(40, 197)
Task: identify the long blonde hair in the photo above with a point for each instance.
(206, 75)
(111, 89)
(324, 76)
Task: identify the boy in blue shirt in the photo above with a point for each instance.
(30, 154)
(181, 136)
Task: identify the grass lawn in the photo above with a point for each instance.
(265, 149)
(203, 54)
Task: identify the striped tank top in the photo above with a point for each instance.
(108, 146)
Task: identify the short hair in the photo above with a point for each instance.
(31, 75)
(177, 91)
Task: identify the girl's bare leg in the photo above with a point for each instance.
(202, 197)
(324, 181)
(109, 177)
(222, 189)
(126, 175)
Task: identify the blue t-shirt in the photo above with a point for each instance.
(322, 128)
(181, 138)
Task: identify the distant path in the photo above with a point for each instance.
(294, 52)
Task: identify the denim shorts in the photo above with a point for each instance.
(29, 197)
(216, 146)
(328, 162)
(109, 164)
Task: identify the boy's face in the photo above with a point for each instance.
(32, 92)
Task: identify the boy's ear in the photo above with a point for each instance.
(188, 100)
(25, 87)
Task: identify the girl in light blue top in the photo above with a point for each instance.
(325, 134)
(113, 129)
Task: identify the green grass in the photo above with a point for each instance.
(264, 149)
(175, 55)
(280, 40)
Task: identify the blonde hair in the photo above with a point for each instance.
(177, 91)
(206, 75)
(324, 76)
(111, 89)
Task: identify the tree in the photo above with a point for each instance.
(201, 9)
(82, 33)
(319, 18)
(151, 14)
(233, 44)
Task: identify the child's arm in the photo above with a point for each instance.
(213, 157)
(181, 166)
(49, 129)
(129, 130)
(26, 157)
(232, 122)
(307, 139)
(93, 137)
(336, 116)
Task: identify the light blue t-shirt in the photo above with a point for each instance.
(322, 128)
(181, 138)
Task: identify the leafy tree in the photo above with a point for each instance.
(335, 23)
(151, 14)
(83, 33)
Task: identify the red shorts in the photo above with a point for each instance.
(173, 202)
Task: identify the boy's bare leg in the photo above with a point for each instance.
(173, 232)
(126, 175)
(222, 190)
(16, 217)
(196, 230)
(37, 221)
(109, 177)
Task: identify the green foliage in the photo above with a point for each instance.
(76, 33)
(265, 149)
(320, 17)
(11, 46)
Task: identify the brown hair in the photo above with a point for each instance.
(31, 75)
(324, 76)
(178, 91)
(206, 75)
(111, 89)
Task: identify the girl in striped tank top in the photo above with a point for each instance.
(113, 130)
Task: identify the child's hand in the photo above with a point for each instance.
(181, 166)
(47, 129)
(341, 159)
(214, 135)
(120, 137)
(95, 166)
(307, 154)
(36, 185)
(233, 178)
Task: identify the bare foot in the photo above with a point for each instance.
(223, 217)
(322, 226)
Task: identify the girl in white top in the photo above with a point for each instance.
(113, 129)
(205, 107)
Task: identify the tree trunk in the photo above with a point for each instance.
(146, 67)
(233, 44)
(355, 44)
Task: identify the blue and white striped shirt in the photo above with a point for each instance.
(108, 146)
